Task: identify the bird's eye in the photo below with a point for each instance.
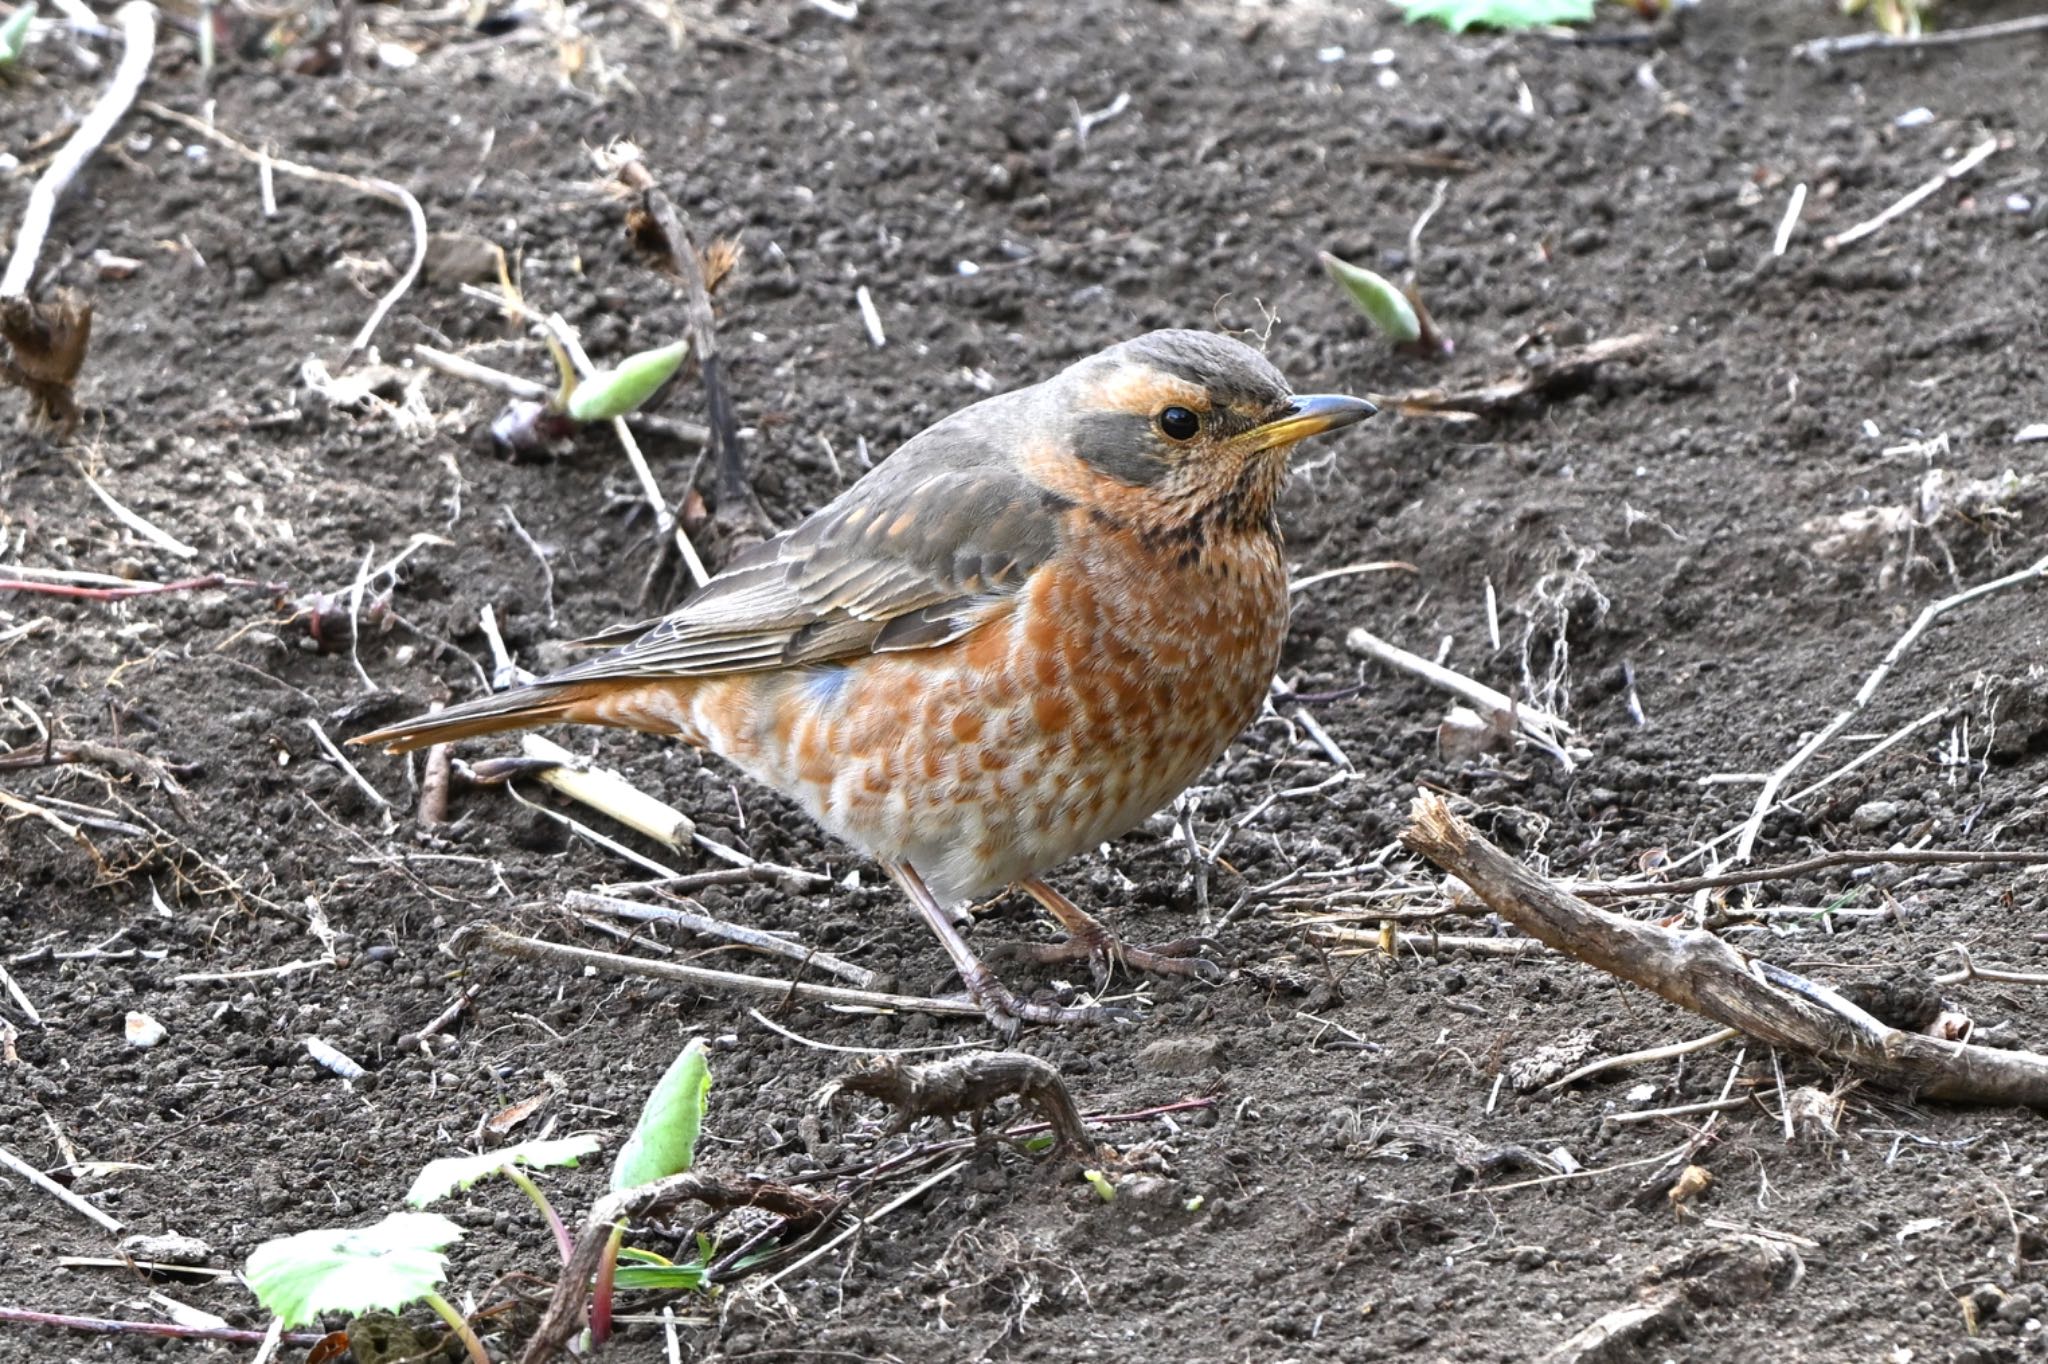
(1179, 424)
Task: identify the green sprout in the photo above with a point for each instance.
(1099, 1182)
(1459, 15)
(615, 392)
(14, 33)
(1394, 311)
(664, 1140)
(443, 1177)
(384, 1267)
(664, 1143)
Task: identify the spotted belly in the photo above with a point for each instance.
(1070, 715)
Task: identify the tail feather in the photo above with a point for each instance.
(520, 708)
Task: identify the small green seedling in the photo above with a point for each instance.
(384, 1267)
(1396, 313)
(1459, 15)
(443, 1177)
(664, 1143)
(14, 33)
(613, 393)
(530, 424)
(1378, 297)
(1099, 1182)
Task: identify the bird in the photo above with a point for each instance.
(1016, 638)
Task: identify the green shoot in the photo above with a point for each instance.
(1379, 298)
(384, 1267)
(613, 393)
(1459, 15)
(607, 1280)
(14, 33)
(1099, 1182)
(664, 1140)
(442, 1177)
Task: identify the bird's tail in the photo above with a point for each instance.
(543, 703)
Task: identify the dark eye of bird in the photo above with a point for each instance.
(1179, 424)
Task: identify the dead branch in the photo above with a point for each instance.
(735, 498)
(137, 20)
(1697, 971)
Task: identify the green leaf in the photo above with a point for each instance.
(615, 392)
(659, 1278)
(443, 1177)
(1378, 298)
(1459, 15)
(14, 33)
(664, 1141)
(351, 1269)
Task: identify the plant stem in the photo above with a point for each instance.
(446, 1311)
(547, 1209)
(601, 1292)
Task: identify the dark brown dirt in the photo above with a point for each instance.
(1653, 524)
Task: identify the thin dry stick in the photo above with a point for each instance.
(147, 529)
(1696, 970)
(1968, 162)
(1768, 797)
(734, 496)
(390, 192)
(498, 940)
(1538, 726)
(362, 783)
(1819, 49)
(1679, 1111)
(137, 21)
(1972, 971)
(56, 1190)
(1648, 1054)
(1853, 857)
(21, 1001)
(469, 371)
(705, 926)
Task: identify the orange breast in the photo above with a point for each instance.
(1078, 709)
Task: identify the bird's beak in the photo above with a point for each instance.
(1309, 414)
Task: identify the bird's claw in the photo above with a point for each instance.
(1104, 952)
(1007, 1013)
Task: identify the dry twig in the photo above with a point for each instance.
(1698, 971)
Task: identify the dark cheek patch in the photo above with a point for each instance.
(1122, 445)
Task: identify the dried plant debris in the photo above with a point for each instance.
(46, 346)
(968, 1086)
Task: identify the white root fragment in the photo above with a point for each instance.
(610, 794)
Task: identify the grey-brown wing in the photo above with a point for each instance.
(907, 558)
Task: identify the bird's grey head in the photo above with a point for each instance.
(1172, 401)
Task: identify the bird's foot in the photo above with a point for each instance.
(1103, 951)
(1007, 1013)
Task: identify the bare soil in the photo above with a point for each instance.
(1367, 1185)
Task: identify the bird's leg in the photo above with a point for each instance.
(1089, 940)
(1005, 1011)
